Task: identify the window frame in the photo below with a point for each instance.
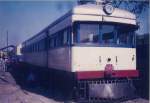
(76, 35)
(58, 38)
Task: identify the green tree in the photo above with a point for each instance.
(133, 6)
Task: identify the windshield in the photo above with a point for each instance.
(104, 34)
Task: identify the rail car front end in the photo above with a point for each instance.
(104, 72)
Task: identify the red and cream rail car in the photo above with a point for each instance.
(90, 50)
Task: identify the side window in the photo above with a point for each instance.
(52, 42)
(38, 44)
(56, 40)
(48, 45)
(43, 44)
(27, 49)
(69, 35)
(30, 48)
(76, 29)
(60, 38)
(33, 48)
(65, 37)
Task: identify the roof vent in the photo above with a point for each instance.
(82, 2)
(97, 2)
(103, 2)
(100, 2)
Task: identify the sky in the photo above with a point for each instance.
(23, 19)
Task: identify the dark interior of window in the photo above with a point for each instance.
(104, 34)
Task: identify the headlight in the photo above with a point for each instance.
(108, 9)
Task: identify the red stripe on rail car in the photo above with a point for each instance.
(100, 74)
(90, 74)
(126, 73)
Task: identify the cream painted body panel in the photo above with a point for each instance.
(77, 17)
(59, 58)
(36, 58)
(119, 20)
(92, 12)
(95, 58)
(93, 9)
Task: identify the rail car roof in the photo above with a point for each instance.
(93, 9)
(92, 12)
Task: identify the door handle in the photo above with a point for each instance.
(116, 59)
(99, 59)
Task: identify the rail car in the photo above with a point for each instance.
(88, 53)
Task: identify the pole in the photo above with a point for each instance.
(7, 42)
(5, 65)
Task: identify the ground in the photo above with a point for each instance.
(138, 100)
(10, 92)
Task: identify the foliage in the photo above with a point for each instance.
(132, 5)
(135, 6)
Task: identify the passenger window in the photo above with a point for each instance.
(60, 38)
(34, 47)
(38, 46)
(57, 41)
(75, 33)
(51, 42)
(65, 36)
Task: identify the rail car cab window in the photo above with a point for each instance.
(88, 33)
(125, 38)
(104, 34)
(108, 33)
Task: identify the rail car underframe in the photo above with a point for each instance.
(104, 88)
(82, 86)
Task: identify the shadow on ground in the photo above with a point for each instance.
(18, 71)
